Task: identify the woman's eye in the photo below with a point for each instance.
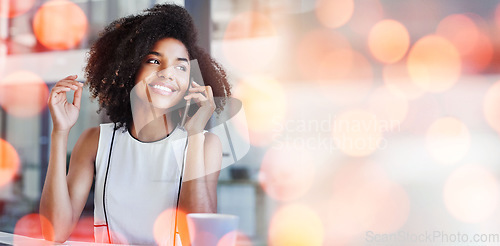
(153, 61)
(182, 68)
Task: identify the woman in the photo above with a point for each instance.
(135, 159)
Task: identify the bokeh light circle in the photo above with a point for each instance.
(388, 41)
(23, 94)
(241, 239)
(164, 226)
(364, 199)
(60, 24)
(434, 63)
(480, 58)
(314, 47)
(9, 162)
(295, 224)
(471, 193)
(265, 105)
(357, 132)
(30, 225)
(491, 106)
(15, 7)
(398, 81)
(287, 173)
(448, 140)
(460, 30)
(334, 13)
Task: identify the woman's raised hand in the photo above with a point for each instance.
(63, 113)
(204, 98)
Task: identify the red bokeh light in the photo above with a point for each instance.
(286, 174)
(30, 225)
(14, 8)
(23, 94)
(84, 230)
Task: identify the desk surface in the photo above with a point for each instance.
(8, 239)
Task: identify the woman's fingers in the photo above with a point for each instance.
(69, 83)
(197, 89)
(195, 84)
(78, 97)
(201, 99)
(197, 96)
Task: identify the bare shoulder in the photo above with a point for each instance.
(212, 143)
(213, 152)
(86, 146)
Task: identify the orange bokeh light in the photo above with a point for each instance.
(250, 37)
(398, 81)
(60, 24)
(491, 106)
(314, 47)
(23, 94)
(434, 63)
(364, 199)
(164, 226)
(334, 13)
(390, 109)
(357, 132)
(448, 140)
(296, 224)
(13, 8)
(30, 225)
(460, 30)
(346, 76)
(265, 104)
(9, 162)
(471, 193)
(388, 41)
(287, 173)
(366, 14)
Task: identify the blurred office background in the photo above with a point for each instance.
(369, 121)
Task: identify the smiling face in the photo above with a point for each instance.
(163, 76)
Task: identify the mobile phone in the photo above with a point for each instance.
(188, 103)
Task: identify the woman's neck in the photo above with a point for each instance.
(155, 130)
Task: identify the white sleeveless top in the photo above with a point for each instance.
(142, 182)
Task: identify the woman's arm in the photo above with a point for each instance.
(199, 193)
(63, 197)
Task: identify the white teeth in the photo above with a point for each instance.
(162, 88)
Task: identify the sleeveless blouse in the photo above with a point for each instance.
(138, 188)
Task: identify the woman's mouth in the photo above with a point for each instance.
(164, 89)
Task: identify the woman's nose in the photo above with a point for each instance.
(166, 73)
